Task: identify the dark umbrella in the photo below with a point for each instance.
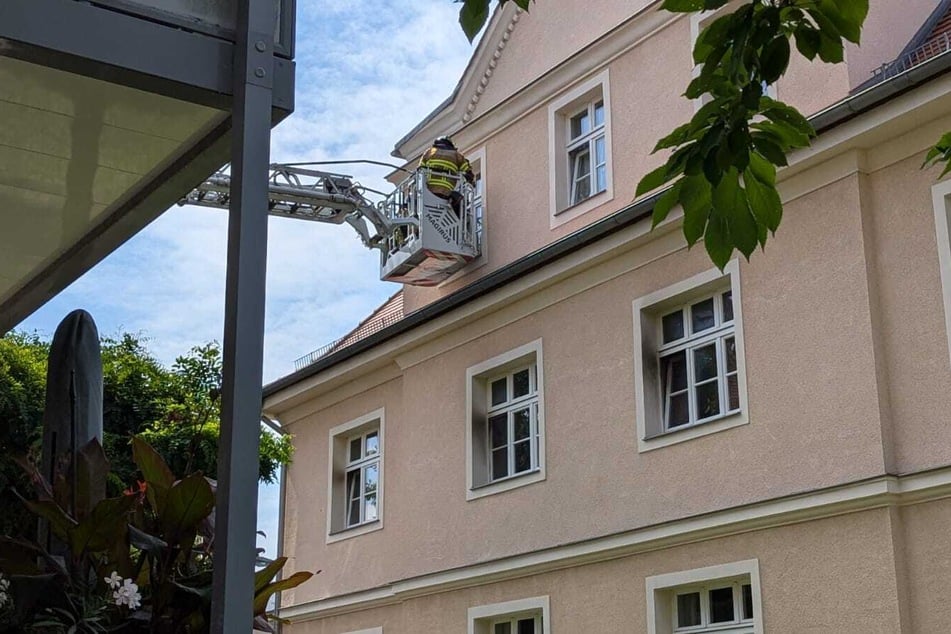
(73, 415)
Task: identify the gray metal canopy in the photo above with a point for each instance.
(110, 112)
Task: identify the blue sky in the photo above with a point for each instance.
(367, 72)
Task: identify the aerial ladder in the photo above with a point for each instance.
(421, 239)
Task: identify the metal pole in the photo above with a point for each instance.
(236, 515)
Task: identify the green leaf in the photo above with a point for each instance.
(762, 169)
(472, 17)
(773, 153)
(145, 542)
(60, 522)
(679, 136)
(781, 113)
(158, 476)
(92, 469)
(105, 525)
(188, 502)
(261, 597)
(730, 204)
(848, 16)
(682, 6)
(695, 197)
(717, 241)
(764, 201)
(808, 40)
(653, 180)
(665, 203)
(263, 576)
(784, 134)
(775, 59)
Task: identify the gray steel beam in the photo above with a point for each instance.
(236, 515)
(105, 44)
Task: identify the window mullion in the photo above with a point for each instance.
(691, 392)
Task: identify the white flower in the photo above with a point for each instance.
(5, 598)
(127, 594)
(113, 580)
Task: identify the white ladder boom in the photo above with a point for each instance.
(422, 239)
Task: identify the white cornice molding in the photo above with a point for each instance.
(490, 67)
(874, 493)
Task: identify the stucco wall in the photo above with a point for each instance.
(813, 408)
(838, 578)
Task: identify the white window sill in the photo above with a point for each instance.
(689, 432)
(355, 531)
(580, 208)
(505, 484)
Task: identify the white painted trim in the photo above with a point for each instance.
(669, 581)
(885, 491)
(533, 604)
(941, 197)
(558, 183)
(678, 293)
(372, 630)
(378, 416)
(481, 371)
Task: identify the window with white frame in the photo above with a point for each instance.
(363, 478)
(524, 616)
(505, 443)
(725, 599)
(697, 360)
(689, 367)
(356, 477)
(512, 420)
(580, 149)
(587, 152)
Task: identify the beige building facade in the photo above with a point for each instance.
(591, 429)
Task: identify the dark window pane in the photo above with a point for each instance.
(523, 456)
(701, 315)
(356, 449)
(500, 463)
(520, 383)
(503, 628)
(373, 444)
(705, 362)
(353, 484)
(733, 392)
(679, 412)
(728, 306)
(523, 424)
(730, 344)
(580, 124)
(688, 609)
(708, 399)
(499, 428)
(599, 114)
(721, 605)
(354, 515)
(526, 626)
(747, 602)
(499, 392)
(673, 369)
(673, 326)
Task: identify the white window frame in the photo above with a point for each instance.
(941, 198)
(481, 619)
(509, 407)
(586, 143)
(662, 591)
(339, 464)
(691, 341)
(574, 101)
(699, 21)
(360, 466)
(478, 437)
(652, 430)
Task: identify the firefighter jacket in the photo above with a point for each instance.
(446, 166)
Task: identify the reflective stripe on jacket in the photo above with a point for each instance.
(447, 166)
